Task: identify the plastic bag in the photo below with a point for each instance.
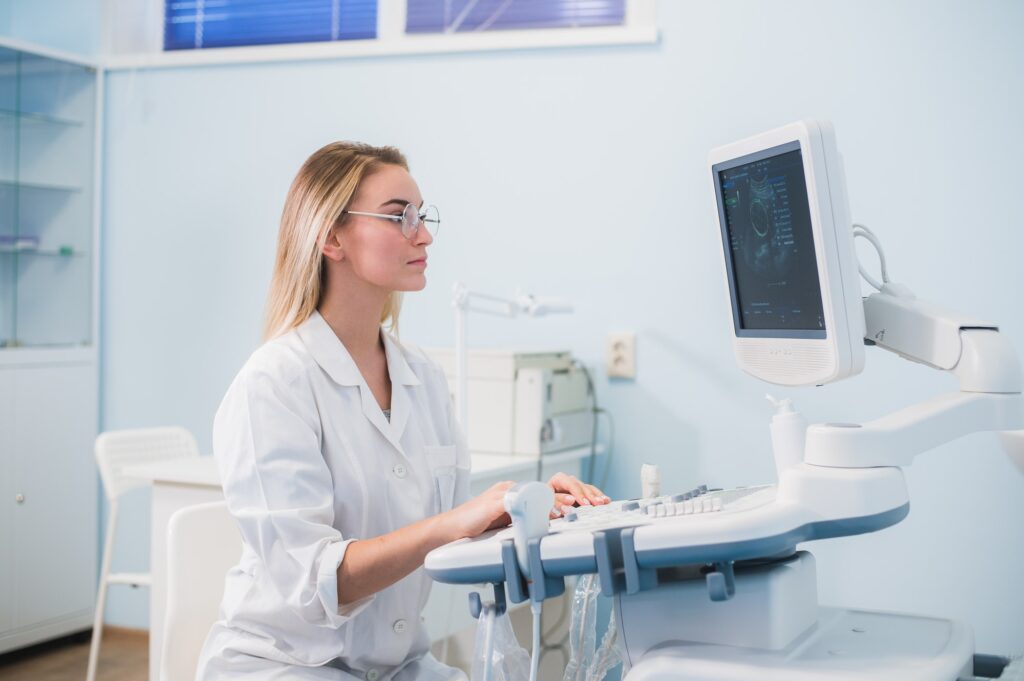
(582, 628)
(608, 655)
(585, 662)
(509, 662)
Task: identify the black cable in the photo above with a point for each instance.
(611, 445)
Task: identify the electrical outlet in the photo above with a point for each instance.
(622, 355)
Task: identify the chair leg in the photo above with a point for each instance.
(101, 599)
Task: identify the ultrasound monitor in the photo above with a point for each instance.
(788, 255)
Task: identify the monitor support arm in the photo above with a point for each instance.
(982, 359)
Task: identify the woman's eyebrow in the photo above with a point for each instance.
(401, 202)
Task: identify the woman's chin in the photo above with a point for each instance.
(417, 283)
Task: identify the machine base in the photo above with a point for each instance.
(844, 645)
(774, 603)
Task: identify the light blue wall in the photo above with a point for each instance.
(67, 25)
(581, 173)
(5, 17)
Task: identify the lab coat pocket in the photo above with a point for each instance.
(442, 467)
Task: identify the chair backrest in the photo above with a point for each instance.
(203, 543)
(117, 449)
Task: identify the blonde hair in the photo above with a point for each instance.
(322, 189)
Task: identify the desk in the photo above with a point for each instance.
(185, 482)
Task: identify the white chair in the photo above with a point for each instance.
(203, 543)
(116, 450)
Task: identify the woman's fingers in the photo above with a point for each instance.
(562, 499)
(561, 482)
(597, 495)
(562, 502)
(584, 494)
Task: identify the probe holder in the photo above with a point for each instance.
(476, 606)
(520, 588)
(722, 582)
(617, 567)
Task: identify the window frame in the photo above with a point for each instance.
(133, 38)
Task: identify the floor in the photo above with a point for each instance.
(123, 657)
(125, 652)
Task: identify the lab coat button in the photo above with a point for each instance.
(372, 675)
(399, 470)
(400, 627)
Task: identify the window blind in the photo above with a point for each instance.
(195, 24)
(453, 16)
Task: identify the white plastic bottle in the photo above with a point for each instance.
(650, 481)
(789, 433)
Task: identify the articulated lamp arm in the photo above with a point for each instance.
(465, 301)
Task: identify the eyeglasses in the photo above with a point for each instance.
(410, 219)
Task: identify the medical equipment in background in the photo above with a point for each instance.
(522, 403)
(465, 301)
(728, 559)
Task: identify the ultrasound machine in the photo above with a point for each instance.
(711, 583)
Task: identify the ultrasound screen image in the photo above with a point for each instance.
(770, 244)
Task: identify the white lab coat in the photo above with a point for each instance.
(309, 464)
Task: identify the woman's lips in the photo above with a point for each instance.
(420, 262)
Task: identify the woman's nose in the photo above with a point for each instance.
(423, 235)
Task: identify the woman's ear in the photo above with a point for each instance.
(332, 248)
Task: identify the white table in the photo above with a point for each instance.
(185, 482)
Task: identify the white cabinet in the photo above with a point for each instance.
(48, 565)
(49, 114)
(7, 505)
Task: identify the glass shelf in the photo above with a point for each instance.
(47, 165)
(42, 186)
(42, 252)
(37, 117)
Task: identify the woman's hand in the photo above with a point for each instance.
(483, 512)
(569, 491)
(486, 511)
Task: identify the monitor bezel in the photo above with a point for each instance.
(840, 354)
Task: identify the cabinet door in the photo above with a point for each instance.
(7, 500)
(55, 526)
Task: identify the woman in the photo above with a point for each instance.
(340, 457)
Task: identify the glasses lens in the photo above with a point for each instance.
(410, 221)
(431, 219)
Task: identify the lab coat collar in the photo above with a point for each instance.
(398, 365)
(328, 350)
(333, 357)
